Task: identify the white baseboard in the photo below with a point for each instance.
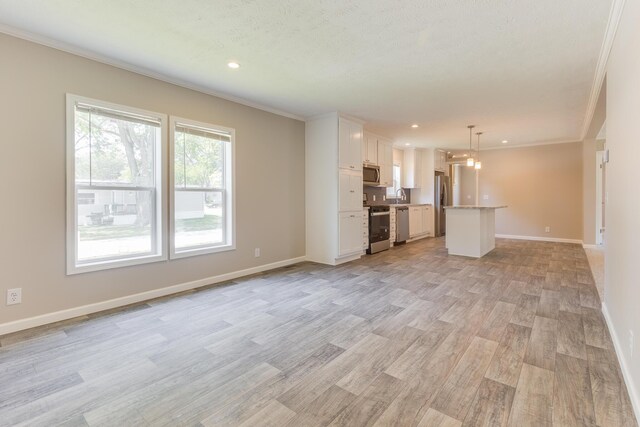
(348, 258)
(539, 239)
(634, 395)
(57, 316)
(421, 236)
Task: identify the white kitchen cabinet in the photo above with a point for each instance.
(392, 224)
(349, 144)
(369, 149)
(420, 221)
(333, 189)
(350, 232)
(385, 160)
(440, 160)
(349, 190)
(427, 220)
(365, 229)
(415, 221)
(412, 168)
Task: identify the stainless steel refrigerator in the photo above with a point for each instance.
(442, 198)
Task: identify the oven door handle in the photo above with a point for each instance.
(380, 213)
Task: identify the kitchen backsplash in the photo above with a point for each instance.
(380, 193)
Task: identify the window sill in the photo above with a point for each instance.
(109, 265)
(201, 251)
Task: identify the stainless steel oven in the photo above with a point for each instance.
(371, 175)
(379, 224)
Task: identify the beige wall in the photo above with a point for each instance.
(33, 83)
(542, 185)
(468, 186)
(622, 221)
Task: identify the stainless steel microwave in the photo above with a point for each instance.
(371, 175)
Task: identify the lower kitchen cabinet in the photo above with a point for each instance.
(427, 220)
(365, 229)
(392, 225)
(350, 232)
(415, 221)
(420, 221)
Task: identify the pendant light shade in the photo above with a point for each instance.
(470, 161)
(478, 164)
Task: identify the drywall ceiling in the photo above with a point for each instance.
(522, 70)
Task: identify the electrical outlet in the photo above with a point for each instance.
(257, 252)
(14, 296)
(547, 229)
(485, 197)
(630, 343)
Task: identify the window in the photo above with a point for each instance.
(202, 181)
(392, 191)
(114, 185)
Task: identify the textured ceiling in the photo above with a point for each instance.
(521, 70)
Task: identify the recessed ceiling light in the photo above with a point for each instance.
(465, 155)
(233, 65)
(407, 144)
(414, 126)
(504, 141)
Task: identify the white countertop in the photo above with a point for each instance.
(474, 207)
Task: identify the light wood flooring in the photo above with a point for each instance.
(407, 337)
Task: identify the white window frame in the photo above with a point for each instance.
(229, 191)
(160, 253)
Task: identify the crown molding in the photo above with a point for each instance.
(601, 68)
(87, 54)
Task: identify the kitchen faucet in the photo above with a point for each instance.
(402, 194)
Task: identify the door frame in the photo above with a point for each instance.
(600, 198)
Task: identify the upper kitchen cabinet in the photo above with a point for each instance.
(412, 168)
(440, 160)
(385, 160)
(349, 144)
(370, 149)
(377, 150)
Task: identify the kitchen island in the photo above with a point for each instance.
(471, 230)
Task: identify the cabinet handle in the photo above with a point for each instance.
(352, 167)
(351, 191)
(352, 216)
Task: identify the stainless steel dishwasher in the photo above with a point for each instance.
(402, 224)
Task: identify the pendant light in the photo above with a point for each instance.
(478, 164)
(470, 161)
